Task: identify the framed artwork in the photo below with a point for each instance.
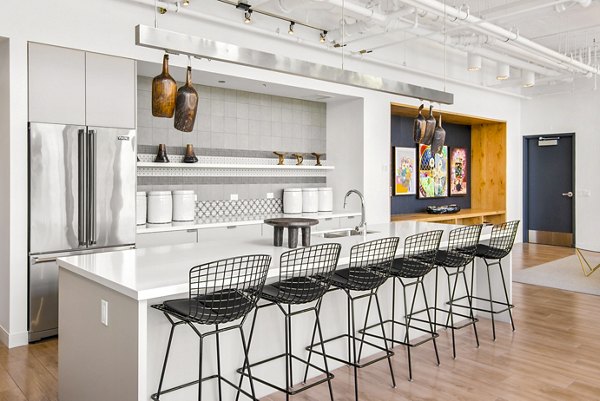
(405, 171)
(458, 172)
(433, 173)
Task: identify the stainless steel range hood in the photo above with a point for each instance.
(179, 43)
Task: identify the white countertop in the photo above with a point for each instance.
(225, 221)
(149, 273)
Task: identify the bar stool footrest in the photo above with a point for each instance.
(506, 305)
(313, 348)
(291, 390)
(470, 322)
(432, 334)
(156, 396)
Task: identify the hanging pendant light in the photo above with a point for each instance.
(164, 92)
(528, 79)
(503, 72)
(474, 62)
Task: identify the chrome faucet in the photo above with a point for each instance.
(363, 221)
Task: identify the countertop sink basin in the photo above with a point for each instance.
(349, 232)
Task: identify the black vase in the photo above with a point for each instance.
(161, 156)
(190, 155)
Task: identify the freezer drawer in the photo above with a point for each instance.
(43, 298)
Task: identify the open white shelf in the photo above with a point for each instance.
(150, 169)
(231, 166)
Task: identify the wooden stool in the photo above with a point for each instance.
(293, 225)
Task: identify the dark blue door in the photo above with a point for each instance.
(550, 191)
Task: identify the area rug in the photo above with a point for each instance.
(564, 274)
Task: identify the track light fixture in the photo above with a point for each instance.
(474, 62)
(291, 30)
(323, 37)
(528, 79)
(248, 17)
(503, 72)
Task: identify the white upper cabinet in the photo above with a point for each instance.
(110, 91)
(56, 85)
(74, 87)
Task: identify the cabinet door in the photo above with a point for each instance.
(56, 85)
(349, 221)
(328, 223)
(166, 238)
(110, 91)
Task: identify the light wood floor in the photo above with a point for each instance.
(553, 355)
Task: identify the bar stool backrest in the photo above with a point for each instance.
(229, 287)
(462, 245)
(305, 273)
(371, 263)
(503, 238)
(422, 249)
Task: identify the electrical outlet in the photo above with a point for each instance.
(270, 195)
(104, 312)
(233, 197)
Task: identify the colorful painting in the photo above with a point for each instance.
(433, 173)
(458, 172)
(405, 171)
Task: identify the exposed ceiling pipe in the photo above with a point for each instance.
(492, 29)
(236, 25)
(356, 9)
(391, 23)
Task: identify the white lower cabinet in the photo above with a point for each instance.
(328, 223)
(166, 238)
(248, 231)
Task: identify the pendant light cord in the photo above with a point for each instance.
(343, 31)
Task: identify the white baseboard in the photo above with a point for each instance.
(15, 339)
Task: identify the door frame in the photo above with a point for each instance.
(525, 225)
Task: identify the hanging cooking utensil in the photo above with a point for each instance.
(164, 92)
(186, 105)
(419, 126)
(439, 137)
(429, 128)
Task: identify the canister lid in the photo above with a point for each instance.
(159, 193)
(184, 192)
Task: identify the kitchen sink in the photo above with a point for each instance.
(349, 232)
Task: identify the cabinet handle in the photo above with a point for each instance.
(329, 219)
(191, 230)
(231, 227)
(351, 217)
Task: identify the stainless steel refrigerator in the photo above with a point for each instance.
(82, 184)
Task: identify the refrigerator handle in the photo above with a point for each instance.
(92, 186)
(82, 179)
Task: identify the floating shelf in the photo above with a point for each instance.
(150, 169)
(232, 166)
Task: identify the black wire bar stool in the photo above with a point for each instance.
(369, 268)
(304, 277)
(462, 244)
(420, 251)
(220, 292)
(500, 245)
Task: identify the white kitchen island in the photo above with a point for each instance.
(121, 360)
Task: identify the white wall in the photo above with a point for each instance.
(4, 183)
(107, 26)
(578, 113)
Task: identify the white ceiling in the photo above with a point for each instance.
(570, 28)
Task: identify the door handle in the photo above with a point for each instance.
(83, 198)
(568, 194)
(92, 186)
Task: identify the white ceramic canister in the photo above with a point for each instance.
(184, 205)
(310, 200)
(325, 199)
(292, 201)
(140, 208)
(160, 207)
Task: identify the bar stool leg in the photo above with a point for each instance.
(354, 349)
(431, 326)
(318, 324)
(164, 368)
(287, 357)
(385, 339)
(406, 334)
(506, 296)
(219, 363)
(246, 351)
(450, 312)
(289, 339)
(491, 299)
(246, 346)
(470, 300)
(362, 337)
(201, 354)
